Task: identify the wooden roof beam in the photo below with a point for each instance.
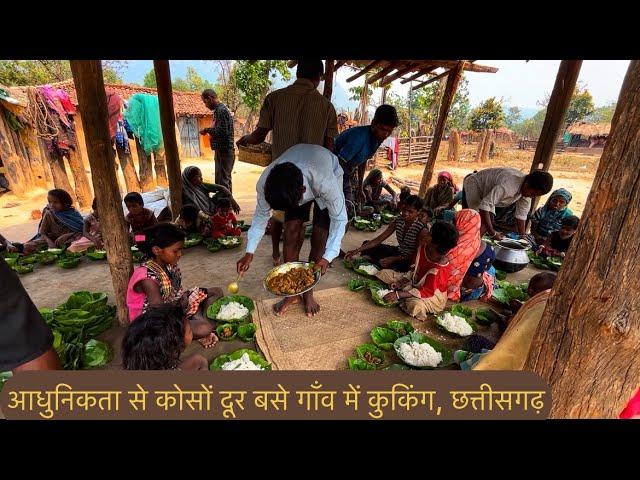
(387, 80)
(431, 80)
(365, 70)
(419, 73)
(382, 73)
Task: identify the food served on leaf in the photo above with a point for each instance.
(227, 331)
(292, 281)
(418, 350)
(456, 324)
(230, 242)
(232, 311)
(243, 359)
(368, 269)
(231, 308)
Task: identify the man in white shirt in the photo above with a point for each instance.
(492, 188)
(304, 176)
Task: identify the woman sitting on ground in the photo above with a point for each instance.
(409, 230)
(472, 273)
(438, 197)
(60, 225)
(548, 218)
(372, 187)
(203, 195)
(423, 291)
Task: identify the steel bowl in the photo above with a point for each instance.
(285, 267)
(511, 255)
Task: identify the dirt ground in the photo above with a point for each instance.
(51, 285)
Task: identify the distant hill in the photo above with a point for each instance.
(528, 112)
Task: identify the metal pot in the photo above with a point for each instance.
(511, 256)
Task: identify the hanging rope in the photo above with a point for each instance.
(38, 115)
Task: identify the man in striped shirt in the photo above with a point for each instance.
(295, 114)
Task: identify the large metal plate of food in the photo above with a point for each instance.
(291, 279)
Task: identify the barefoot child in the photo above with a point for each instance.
(224, 223)
(60, 225)
(423, 290)
(138, 217)
(194, 220)
(155, 340)
(158, 280)
(91, 234)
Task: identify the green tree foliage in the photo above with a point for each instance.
(580, 107)
(41, 72)
(192, 82)
(228, 90)
(602, 114)
(489, 114)
(512, 117)
(531, 127)
(149, 80)
(254, 79)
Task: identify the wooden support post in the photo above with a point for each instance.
(160, 168)
(554, 119)
(409, 124)
(59, 172)
(168, 122)
(92, 102)
(588, 338)
(449, 92)
(128, 170)
(23, 158)
(15, 175)
(453, 155)
(147, 182)
(328, 79)
(83, 190)
(30, 140)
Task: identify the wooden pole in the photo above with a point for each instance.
(59, 172)
(449, 93)
(128, 170)
(23, 157)
(92, 102)
(168, 122)
(588, 339)
(159, 165)
(11, 161)
(409, 126)
(453, 155)
(83, 190)
(563, 89)
(147, 182)
(328, 79)
(30, 140)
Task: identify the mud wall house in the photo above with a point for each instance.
(588, 135)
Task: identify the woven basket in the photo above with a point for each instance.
(255, 154)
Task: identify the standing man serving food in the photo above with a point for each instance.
(303, 177)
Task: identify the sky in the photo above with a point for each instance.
(517, 82)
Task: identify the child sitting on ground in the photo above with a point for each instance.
(224, 223)
(158, 280)
(194, 220)
(423, 290)
(478, 347)
(405, 192)
(558, 242)
(138, 217)
(91, 234)
(155, 340)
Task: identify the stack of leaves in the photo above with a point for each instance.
(75, 323)
(545, 263)
(507, 292)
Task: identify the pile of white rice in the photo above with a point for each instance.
(243, 363)
(383, 292)
(232, 311)
(370, 269)
(455, 324)
(229, 241)
(419, 354)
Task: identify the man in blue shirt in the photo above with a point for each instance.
(355, 146)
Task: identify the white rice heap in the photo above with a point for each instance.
(370, 269)
(420, 354)
(243, 363)
(229, 241)
(456, 324)
(383, 292)
(232, 311)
